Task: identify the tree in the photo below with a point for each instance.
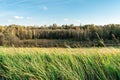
(54, 26)
(11, 40)
(71, 26)
(1, 38)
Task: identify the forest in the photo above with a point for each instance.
(60, 36)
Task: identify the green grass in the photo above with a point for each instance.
(59, 64)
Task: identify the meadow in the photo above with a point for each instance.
(60, 63)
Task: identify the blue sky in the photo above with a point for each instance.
(41, 12)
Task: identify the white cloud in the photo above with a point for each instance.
(21, 18)
(45, 8)
(9, 20)
(18, 17)
(78, 20)
(66, 19)
(29, 18)
(54, 21)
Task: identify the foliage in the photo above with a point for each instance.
(80, 33)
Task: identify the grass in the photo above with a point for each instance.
(59, 64)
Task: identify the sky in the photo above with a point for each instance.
(47, 12)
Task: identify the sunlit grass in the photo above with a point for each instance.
(60, 63)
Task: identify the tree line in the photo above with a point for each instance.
(14, 34)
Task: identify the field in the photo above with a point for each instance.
(60, 63)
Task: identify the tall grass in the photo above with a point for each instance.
(59, 64)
